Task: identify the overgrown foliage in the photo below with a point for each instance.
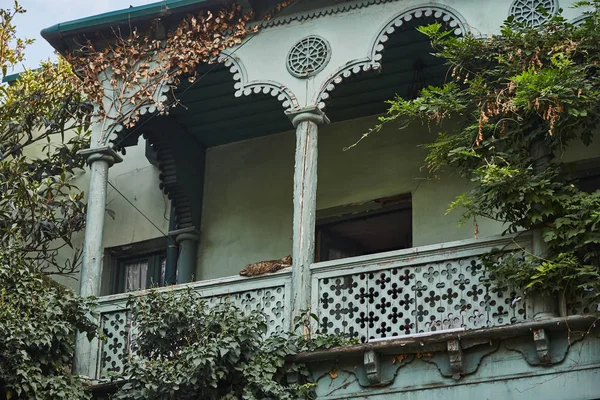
(186, 349)
(141, 67)
(43, 123)
(514, 104)
(43, 119)
(38, 319)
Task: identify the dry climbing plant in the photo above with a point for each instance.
(129, 74)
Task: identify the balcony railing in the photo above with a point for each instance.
(268, 293)
(417, 290)
(397, 293)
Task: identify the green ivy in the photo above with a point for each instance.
(39, 319)
(517, 101)
(188, 350)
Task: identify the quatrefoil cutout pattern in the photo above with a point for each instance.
(416, 299)
(308, 56)
(530, 11)
(121, 335)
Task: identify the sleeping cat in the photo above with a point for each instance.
(263, 267)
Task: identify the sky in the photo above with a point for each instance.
(44, 13)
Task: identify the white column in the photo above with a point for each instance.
(100, 160)
(306, 121)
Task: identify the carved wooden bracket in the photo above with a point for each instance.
(542, 344)
(455, 355)
(373, 367)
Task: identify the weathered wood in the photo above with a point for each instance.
(100, 160)
(455, 356)
(437, 341)
(306, 122)
(372, 367)
(542, 344)
(540, 306)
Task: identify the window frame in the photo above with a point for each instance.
(115, 258)
(370, 208)
(154, 275)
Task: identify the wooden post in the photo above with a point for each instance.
(100, 160)
(538, 306)
(306, 121)
(187, 239)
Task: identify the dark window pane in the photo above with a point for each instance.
(385, 227)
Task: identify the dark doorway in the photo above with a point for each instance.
(372, 227)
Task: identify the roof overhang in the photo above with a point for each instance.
(170, 12)
(56, 34)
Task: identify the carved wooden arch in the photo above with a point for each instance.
(113, 127)
(171, 181)
(372, 62)
(246, 88)
(113, 132)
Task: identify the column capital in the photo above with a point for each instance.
(104, 153)
(308, 113)
(185, 234)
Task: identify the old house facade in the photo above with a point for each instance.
(252, 166)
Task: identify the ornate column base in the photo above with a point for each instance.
(187, 239)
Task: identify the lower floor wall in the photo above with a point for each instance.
(566, 366)
(508, 369)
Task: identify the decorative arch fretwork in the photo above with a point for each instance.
(170, 183)
(579, 20)
(113, 129)
(246, 88)
(372, 62)
(113, 123)
(168, 147)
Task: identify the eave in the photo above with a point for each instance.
(56, 34)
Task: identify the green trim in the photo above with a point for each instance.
(55, 33)
(144, 11)
(11, 78)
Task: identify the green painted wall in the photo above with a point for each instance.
(495, 370)
(138, 180)
(247, 214)
(247, 211)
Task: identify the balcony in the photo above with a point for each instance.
(401, 293)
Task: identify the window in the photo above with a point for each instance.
(584, 173)
(135, 266)
(372, 227)
(589, 181)
(141, 272)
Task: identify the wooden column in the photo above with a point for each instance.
(306, 121)
(187, 239)
(100, 160)
(538, 306)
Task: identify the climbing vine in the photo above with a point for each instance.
(186, 349)
(126, 75)
(512, 106)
